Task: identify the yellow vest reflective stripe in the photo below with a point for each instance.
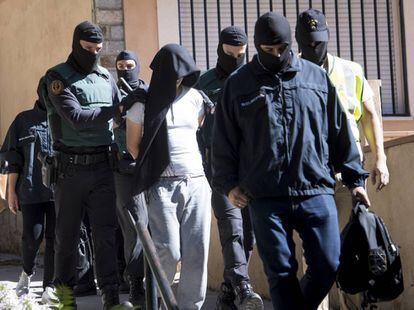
(348, 79)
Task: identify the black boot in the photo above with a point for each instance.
(225, 298)
(136, 291)
(246, 298)
(84, 289)
(110, 296)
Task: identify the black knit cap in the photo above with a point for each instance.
(88, 32)
(233, 35)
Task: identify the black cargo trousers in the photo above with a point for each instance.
(127, 203)
(236, 235)
(86, 188)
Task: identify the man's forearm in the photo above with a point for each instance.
(373, 132)
(11, 182)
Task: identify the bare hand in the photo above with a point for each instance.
(237, 198)
(380, 171)
(359, 194)
(13, 202)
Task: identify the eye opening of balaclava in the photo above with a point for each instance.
(131, 76)
(273, 28)
(83, 60)
(226, 64)
(311, 27)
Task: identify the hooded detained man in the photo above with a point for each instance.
(170, 169)
(82, 100)
(356, 97)
(234, 225)
(132, 266)
(26, 137)
(279, 135)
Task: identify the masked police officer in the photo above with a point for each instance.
(356, 97)
(234, 225)
(128, 67)
(83, 99)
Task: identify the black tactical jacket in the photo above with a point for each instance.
(282, 135)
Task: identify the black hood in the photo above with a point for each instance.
(171, 63)
(130, 76)
(226, 64)
(273, 28)
(83, 61)
(41, 94)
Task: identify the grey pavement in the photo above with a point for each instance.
(10, 269)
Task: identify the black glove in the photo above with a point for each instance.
(138, 94)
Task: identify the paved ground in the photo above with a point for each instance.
(10, 270)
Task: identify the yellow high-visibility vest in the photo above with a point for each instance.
(348, 79)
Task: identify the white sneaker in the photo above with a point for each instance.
(49, 296)
(22, 287)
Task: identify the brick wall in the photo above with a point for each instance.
(109, 15)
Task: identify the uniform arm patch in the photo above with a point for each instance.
(56, 87)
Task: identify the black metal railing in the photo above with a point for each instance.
(361, 30)
(154, 273)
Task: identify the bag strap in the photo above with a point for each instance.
(368, 224)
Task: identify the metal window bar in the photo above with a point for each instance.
(390, 54)
(206, 33)
(351, 41)
(246, 29)
(231, 12)
(388, 76)
(154, 273)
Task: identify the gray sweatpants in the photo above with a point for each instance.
(179, 213)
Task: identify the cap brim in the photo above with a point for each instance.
(319, 36)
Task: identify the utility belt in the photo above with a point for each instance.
(83, 159)
(62, 162)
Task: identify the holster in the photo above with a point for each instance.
(113, 156)
(49, 169)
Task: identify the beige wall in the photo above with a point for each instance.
(149, 25)
(168, 27)
(34, 36)
(395, 205)
(141, 31)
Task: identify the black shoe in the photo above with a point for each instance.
(225, 298)
(136, 291)
(110, 296)
(84, 289)
(246, 298)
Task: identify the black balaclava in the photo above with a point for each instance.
(272, 28)
(130, 76)
(41, 94)
(226, 64)
(171, 63)
(315, 54)
(83, 61)
(311, 27)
